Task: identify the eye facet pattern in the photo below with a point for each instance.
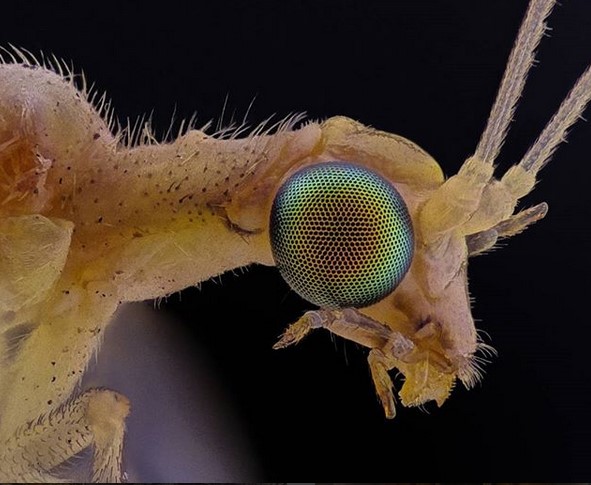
(341, 235)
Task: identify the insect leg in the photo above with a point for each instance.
(352, 325)
(380, 364)
(389, 348)
(298, 330)
(422, 365)
(97, 417)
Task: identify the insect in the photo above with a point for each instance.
(88, 223)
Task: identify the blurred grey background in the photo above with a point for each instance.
(182, 426)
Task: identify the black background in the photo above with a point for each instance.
(427, 71)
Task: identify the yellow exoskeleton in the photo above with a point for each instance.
(88, 222)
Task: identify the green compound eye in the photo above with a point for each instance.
(341, 235)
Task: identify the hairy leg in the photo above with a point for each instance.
(429, 374)
(96, 418)
(59, 336)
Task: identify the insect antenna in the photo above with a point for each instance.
(521, 59)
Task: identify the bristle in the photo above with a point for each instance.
(472, 370)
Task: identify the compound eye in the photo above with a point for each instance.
(341, 235)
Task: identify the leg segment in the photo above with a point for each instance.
(387, 345)
(380, 364)
(352, 325)
(429, 374)
(298, 330)
(40, 428)
(95, 418)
